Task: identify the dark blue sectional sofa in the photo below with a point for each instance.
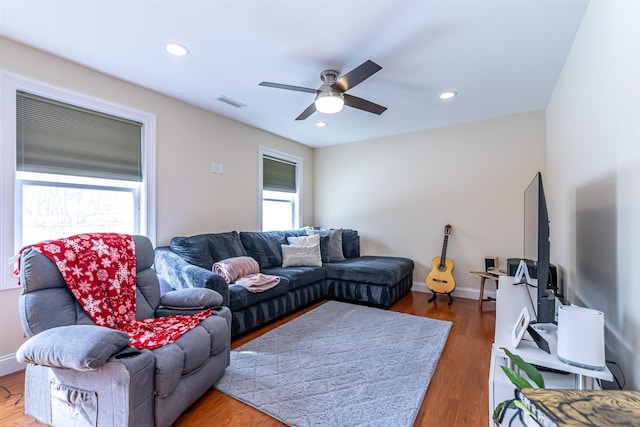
(371, 280)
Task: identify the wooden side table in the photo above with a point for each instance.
(484, 276)
(583, 408)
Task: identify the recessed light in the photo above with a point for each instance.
(448, 95)
(321, 124)
(176, 49)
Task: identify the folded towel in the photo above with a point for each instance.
(234, 268)
(245, 271)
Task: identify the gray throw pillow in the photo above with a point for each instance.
(335, 244)
(79, 347)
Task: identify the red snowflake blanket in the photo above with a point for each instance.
(100, 270)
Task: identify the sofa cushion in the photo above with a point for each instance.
(205, 249)
(218, 329)
(169, 366)
(298, 276)
(225, 245)
(350, 243)
(377, 270)
(240, 297)
(264, 246)
(196, 346)
(194, 250)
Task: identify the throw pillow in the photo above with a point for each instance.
(295, 255)
(335, 243)
(324, 248)
(304, 240)
(350, 243)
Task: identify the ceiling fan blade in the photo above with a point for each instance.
(288, 87)
(357, 76)
(306, 113)
(363, 104)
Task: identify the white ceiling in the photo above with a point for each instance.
(501, 56)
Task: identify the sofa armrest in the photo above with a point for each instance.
(187, 301)
(79, 347)
(191, 298)
(180, 274)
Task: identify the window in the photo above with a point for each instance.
(73, 164)
(280, 188)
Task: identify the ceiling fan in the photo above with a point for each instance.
(331, 96)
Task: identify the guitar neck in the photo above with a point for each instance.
(443, 257)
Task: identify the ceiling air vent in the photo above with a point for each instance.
(231, 102)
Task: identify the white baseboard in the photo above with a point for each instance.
(459, 292)
(9, 364)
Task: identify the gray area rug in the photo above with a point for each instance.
(339, 365)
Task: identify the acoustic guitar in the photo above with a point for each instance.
(440, 280)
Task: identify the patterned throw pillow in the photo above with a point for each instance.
(296, 255)
(304, 240)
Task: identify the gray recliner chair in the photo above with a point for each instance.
(81, 374)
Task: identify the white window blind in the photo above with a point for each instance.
(278, 175)
(58, 138)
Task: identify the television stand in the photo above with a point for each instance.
(510, 299)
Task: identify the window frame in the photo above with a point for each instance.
(9, 85)
(298, 161)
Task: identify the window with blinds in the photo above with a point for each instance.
(278, 175)
(58, 138)
(280, 208)
(78, 170)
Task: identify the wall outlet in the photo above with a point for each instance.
(217, 167)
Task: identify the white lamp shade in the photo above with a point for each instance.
(329, 103)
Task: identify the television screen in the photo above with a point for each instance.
(531, 196)
(536, 247)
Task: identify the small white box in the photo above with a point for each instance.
(581, 336)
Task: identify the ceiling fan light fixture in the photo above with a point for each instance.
(329, 102)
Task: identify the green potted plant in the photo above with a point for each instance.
(519, 382)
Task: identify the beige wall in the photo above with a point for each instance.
(594, 174)
(190, 199)
(399, 192)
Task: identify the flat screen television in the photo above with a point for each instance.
(536, 248)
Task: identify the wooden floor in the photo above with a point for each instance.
(457, 395)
